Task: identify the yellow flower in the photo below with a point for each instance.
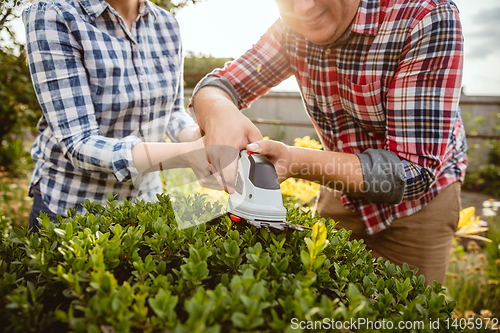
(213, 195)
(469, 226)
(307, 142)
(302, 189)
(466, 215)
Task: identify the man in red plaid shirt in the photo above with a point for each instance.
(380, 80)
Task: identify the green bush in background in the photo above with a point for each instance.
(19, 109)
(196, 66)
(483, 175)
(128, 268)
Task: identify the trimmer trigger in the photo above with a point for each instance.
(234, 218)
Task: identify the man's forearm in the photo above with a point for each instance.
(210, 104)
(339, 171)
(377, 175)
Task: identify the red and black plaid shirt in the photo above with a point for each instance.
(392, 82)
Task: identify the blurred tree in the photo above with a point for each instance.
(19, 110)
(196, 66)
(7, 14)
(174, 6)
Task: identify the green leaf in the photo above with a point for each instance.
(225, 280)
(304, 257)
(239, 320)
(161, 267)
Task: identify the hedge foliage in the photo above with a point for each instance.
(128, 268)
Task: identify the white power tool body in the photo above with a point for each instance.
(257, 198)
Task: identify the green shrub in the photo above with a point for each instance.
(128, 268)
(196, 66)
(19, 109)
(493, 262)
(483, 174)
(15, 204)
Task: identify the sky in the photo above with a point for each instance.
(227, 28)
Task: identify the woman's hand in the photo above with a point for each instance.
(189, 134)
(159, 156)
(197, 160)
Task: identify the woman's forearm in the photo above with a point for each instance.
(157, 156)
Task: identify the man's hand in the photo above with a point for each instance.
(278, 153)
(227, 131)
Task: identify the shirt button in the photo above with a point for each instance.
(340, 143)
(328, 51)
(330, 99)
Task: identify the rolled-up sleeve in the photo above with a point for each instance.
(383, 175)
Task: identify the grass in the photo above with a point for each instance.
(15, 204)
(473, 275)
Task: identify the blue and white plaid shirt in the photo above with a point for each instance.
(102, 89)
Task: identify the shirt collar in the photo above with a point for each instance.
(146, 8)
(367, 17)
(94, 8)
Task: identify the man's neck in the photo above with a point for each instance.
(128, 9)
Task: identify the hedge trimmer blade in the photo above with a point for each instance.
(280, 225)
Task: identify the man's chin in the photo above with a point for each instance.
(320, 39)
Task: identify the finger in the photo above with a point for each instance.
(207, 180)
(220, 183)
(254, 134)
(228, 176)
(207, 152)
(265, 147)
(224, 162)
(214, 181)
(253, 147)
(211, 183)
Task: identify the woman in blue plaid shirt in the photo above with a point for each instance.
(108, 76)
